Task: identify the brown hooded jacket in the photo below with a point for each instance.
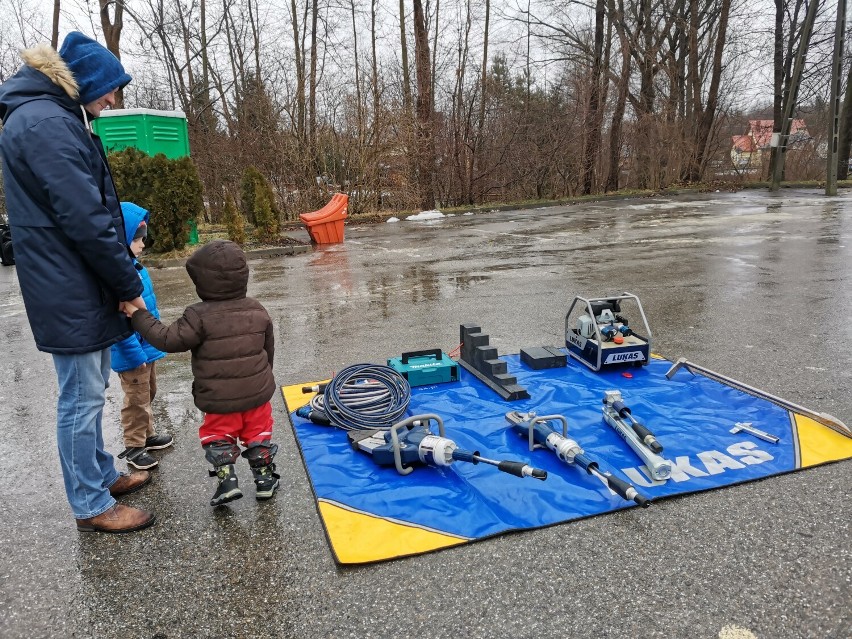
(230, 335)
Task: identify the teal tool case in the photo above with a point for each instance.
(422, 368)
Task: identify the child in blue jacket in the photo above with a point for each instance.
(134, 360)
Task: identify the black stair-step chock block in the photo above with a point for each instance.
(480, 359)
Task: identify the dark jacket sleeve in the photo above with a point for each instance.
(66, 178)
(183, 335)
(269, 342)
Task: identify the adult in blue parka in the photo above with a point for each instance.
(72, 260)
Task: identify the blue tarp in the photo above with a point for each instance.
(690, 415)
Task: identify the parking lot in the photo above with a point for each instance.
(751, 284)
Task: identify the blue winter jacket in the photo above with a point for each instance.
(134, 351)
(72, 260)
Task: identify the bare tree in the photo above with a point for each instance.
(476, 162)
(426, 146)
(54, 33)
(703, 117)
(592, 138)
(112, 33)
(298, 51)
(406, 81)
(312, 93)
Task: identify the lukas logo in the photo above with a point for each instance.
(710, 462)
(632, 356)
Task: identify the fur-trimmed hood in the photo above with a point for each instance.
(46, 75)
(46, 59)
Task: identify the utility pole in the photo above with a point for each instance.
(833, 140)
(780, 140)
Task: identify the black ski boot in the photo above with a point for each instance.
(259, 456)
(228, 488)
(266, 481)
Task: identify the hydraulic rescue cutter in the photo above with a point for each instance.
(541, 435)
(411, 442)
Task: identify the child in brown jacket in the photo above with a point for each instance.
(231, 339)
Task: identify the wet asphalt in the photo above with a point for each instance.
(751, 284)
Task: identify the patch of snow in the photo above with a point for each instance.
(426, 215)
(392, 219)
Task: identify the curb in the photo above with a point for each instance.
(278, 251)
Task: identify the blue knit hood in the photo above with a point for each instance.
(134, 215)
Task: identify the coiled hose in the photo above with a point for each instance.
(364, 396)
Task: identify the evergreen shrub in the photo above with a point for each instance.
(170, 190)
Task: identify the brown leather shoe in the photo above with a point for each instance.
(118, 519)
(126, 484)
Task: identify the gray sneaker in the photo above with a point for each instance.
(139, 458)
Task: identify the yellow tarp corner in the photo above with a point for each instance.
(294, 396)
(819, 444)
(361, 538)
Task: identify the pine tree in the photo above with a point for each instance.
(234, 221)
(267, 222)
(248, 189)
(169, 189)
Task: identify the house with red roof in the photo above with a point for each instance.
(748, 151)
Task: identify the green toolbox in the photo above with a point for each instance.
(422, 368)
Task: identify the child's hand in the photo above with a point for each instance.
(131, 306)
(127, 308)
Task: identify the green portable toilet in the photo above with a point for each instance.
(148, 130)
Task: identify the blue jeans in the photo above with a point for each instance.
(88, 470)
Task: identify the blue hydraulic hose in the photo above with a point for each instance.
(364, 396)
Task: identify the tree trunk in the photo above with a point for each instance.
(620, 103)
(645, 120)
(54, 33)
(376, 89)
(300, 75)
(460, 121)
(592, 137)
(112, 35)
(190, 78)
(406, 81)
(375, 169)
(845, 144)
(359, 109)
(426, 143)
(205, 61)
(705, 118)
(475, 165)
(434, 45)
(777, 83)
(312, 95)
(255, 33)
